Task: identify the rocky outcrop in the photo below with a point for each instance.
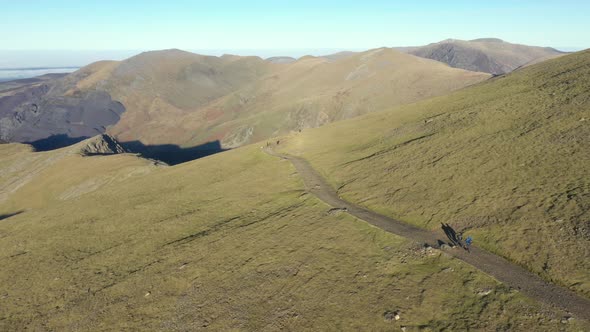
(101, 145)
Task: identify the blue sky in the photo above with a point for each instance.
(290, 26)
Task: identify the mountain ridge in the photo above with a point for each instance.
(490, 55)
(177, 97)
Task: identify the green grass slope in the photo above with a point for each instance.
(507, 161)
(232, 242)
(31, 180)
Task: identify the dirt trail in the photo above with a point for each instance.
(509, 273)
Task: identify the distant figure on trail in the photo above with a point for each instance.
(278, 142)
(460, 240)
(468, 242)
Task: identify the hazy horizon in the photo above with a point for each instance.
(55, 59)
(26, 59)
(116, 30)
(69, 33)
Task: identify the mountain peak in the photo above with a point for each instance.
(488, 40)
(488, 55)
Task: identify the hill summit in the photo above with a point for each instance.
(488, 55)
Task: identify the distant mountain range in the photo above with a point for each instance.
(182, 99)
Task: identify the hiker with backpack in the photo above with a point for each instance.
(468, 242)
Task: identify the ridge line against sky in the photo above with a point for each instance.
(276, 28)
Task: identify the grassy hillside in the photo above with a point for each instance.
(506, 161)
(232, 242)
(31, 180)
(315, 91)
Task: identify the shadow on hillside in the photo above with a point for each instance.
(173, 154)
(169, 153)
(55, 142)
(6, 216)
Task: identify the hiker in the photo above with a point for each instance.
(278, 142)
(460, 238)
(468, 242)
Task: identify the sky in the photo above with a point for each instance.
(41, 32)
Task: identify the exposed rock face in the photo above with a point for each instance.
(102, 145)
(40, 112)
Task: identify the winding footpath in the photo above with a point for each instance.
(506, 272)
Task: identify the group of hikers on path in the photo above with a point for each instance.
(457, 238)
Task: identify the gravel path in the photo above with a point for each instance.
(509, 273)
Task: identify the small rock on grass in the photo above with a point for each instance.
(484, 292)
(389, 316)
